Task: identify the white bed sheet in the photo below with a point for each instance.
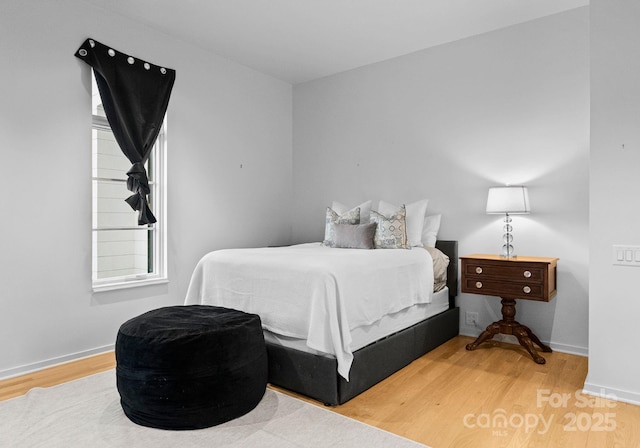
(312, 292)
(386, 326)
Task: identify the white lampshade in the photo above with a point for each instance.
(512, 200)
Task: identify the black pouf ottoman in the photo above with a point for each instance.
(190, 367)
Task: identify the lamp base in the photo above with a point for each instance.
(507, 249)
(508, 257)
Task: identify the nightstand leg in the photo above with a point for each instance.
(524, 340)
(508, 325)
(536, 340)
(486, 335)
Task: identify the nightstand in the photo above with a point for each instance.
(530, 278)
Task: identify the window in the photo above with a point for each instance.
(124, 253)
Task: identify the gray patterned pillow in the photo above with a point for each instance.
(350, 217)
(391, 232)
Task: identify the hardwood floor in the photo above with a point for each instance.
(495, 396)
(14, 387)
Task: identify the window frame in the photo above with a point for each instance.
(157, 164)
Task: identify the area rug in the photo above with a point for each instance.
(87, 413)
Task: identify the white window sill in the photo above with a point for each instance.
(126, 284)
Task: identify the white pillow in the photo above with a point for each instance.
(430, 230)
(415, 218)
(365, 210)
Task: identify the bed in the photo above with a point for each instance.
(330, 347)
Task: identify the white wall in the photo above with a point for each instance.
(446, 123)
(614, 303)
(221, 116)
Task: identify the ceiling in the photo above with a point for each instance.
(301, 40)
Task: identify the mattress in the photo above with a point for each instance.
(316, 293)
(367, 334)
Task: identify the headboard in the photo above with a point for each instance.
(450, 249)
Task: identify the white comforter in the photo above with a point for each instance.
(313, 292)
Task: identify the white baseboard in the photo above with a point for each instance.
(570, 349)
(598, 390)
(36, 366)
(562, 348)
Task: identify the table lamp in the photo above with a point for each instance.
(508, 200)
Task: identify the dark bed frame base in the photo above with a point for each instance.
(316, 376)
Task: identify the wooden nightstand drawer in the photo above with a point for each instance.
(523, 273)
(532, 278)
(489, 287)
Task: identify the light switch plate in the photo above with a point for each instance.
(624, 255)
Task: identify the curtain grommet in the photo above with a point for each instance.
(92, 43)
(163, 70)
(82, 52)
(130, 60)
(111, 52)
(147, 66)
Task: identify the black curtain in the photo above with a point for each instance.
(135, 95)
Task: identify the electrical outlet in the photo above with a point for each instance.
(471, 318)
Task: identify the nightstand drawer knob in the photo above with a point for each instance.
(478, 270)
(478, 285)
(526, 290)
(527, 274)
